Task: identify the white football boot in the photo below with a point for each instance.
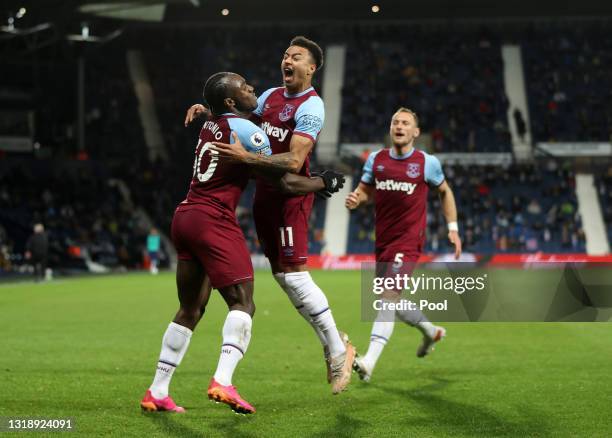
(362, 369)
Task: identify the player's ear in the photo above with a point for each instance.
(312, 68)
(417, 132)
(229, 102)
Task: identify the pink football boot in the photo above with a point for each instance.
(229, 396)
(151, 404)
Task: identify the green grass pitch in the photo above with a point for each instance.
(87, 348)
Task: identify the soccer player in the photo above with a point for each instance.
(397, 180)
(211, 247)
(293, 116)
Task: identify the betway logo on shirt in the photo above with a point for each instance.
(396, 186)
(273, 131)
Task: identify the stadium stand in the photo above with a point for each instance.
(454, 81)
(569, 85)
(86, 216)
(113, 125)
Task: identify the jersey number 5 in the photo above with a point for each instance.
(399, 260)
(212, 165)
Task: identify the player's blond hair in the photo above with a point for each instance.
(402, 109)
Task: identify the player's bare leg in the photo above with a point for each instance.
(193, 292)
(312, 303)
(236, 338)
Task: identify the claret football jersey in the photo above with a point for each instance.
(401, 186)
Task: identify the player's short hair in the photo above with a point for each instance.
(315, 50)
(402, 109)
(216, 90)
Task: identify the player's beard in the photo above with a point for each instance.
(244, 110)
(404, 141)
(403, 144)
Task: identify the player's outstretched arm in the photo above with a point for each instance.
(362, 194)
(293, 184)
(324, 183)
(280, 163)
(449, 209)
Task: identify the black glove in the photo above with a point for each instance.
(334, 181)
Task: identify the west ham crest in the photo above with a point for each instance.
(414, 170)
(286, 113)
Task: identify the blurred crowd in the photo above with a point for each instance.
(82, 207)
(454, 81)
(569, 82)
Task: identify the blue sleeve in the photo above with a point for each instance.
(309, 117)
(261, 101)
(252, 138)
(433, 170)
(368, 169)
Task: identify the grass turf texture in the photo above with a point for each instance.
(87, 349)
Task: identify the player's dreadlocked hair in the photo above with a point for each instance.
(215, 91)
(312, 47)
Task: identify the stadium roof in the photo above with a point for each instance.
(203, 11)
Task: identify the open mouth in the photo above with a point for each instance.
(287, 73)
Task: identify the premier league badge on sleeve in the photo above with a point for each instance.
(258, 139)
(414, 170)
(286, 113)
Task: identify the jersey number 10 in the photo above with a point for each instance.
(212, 165)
